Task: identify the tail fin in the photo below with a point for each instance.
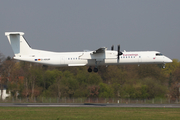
(18, 43)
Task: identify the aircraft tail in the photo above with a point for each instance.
(18, 43)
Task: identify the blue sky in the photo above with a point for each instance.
(77, 25)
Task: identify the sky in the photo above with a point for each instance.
(77, 25)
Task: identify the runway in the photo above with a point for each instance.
(88, 105)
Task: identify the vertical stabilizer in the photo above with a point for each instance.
(18, 43)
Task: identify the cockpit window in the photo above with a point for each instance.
(159, 54)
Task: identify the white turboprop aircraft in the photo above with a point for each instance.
(101, 56)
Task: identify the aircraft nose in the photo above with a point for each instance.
(167, 60)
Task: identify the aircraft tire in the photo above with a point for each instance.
(89, 70)
(95, 69)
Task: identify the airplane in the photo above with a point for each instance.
(101, 56)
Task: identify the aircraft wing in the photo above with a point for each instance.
(100, 50)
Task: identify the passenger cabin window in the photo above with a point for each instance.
(159, 54)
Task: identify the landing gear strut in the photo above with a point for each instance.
(95, 68)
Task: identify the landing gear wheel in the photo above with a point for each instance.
(89, 69)
(95, 69)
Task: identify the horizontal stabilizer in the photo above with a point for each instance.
(14, 33)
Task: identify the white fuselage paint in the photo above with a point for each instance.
(89, 59)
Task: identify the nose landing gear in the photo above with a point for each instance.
(164, 66)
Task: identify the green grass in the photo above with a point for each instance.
(91, 113)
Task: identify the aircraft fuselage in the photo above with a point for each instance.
(89, 59)
(101, 56)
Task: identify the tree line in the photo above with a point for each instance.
(24, 79)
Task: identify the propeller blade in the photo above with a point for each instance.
(112, 47)
(119, 53)
(118, 48)
(118, 57)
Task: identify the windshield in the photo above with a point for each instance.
(159, 54)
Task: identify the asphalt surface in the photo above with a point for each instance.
(87, 105)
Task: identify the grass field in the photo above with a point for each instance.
(91, 113)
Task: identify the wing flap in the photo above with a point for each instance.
(76, 64)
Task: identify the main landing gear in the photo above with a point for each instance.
(95, 69)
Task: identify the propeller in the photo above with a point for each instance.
(112, 47)
(119, 52)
